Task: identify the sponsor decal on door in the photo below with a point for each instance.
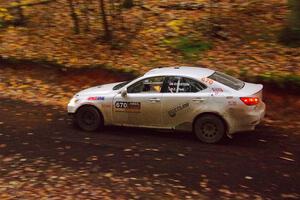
(124, 106)
(173, 111)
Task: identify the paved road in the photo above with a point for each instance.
(262, 165)
(43, 155)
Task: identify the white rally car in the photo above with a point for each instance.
(207, 102)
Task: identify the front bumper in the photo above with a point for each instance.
(72, 106)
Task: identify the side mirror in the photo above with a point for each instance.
(124, 92)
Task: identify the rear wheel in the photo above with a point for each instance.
(209, 128)
(88, 118)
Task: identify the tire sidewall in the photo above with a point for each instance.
(98, 122)
(211, 119)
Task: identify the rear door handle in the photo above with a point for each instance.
(198, 100)
(154, 100)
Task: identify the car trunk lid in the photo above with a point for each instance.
(251, 90)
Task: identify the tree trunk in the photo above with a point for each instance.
(74, 17)
(128, 4)
(291, 33)
(295, 15)
(107, 31)
(86, 15)
(20, 13)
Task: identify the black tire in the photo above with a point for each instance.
(209, 128)
(88, 118)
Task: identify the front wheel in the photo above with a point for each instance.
(209, 129)
(88, 118)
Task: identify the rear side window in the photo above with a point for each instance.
(227, 80)
(182, 85)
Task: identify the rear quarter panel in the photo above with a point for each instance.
(224, 102)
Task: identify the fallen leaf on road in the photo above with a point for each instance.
(108, 175)
(8, 159)
(288, 159)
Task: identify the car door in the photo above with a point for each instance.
(182, 100)
(142, 104)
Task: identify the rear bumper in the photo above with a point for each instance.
(246, 121)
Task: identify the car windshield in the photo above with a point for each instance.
(227, 80)
(120, 85)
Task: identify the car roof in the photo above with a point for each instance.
(193, 72)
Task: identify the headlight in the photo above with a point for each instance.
(74, 100)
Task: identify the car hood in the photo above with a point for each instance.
(100, 89)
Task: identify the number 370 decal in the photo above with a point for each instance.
(123, 106)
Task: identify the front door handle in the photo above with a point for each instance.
(154, 100)
(198, 100)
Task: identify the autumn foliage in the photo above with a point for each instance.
(238, 37)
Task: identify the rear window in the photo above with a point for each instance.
(227, 80)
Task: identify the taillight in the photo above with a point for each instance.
(250, 101)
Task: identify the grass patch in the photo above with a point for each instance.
(289, 81)
(190, 48)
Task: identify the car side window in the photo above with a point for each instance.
(172, 84)
(189, 85)
(183, 85)
(149, 85)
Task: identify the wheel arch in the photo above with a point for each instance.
(215, 114)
